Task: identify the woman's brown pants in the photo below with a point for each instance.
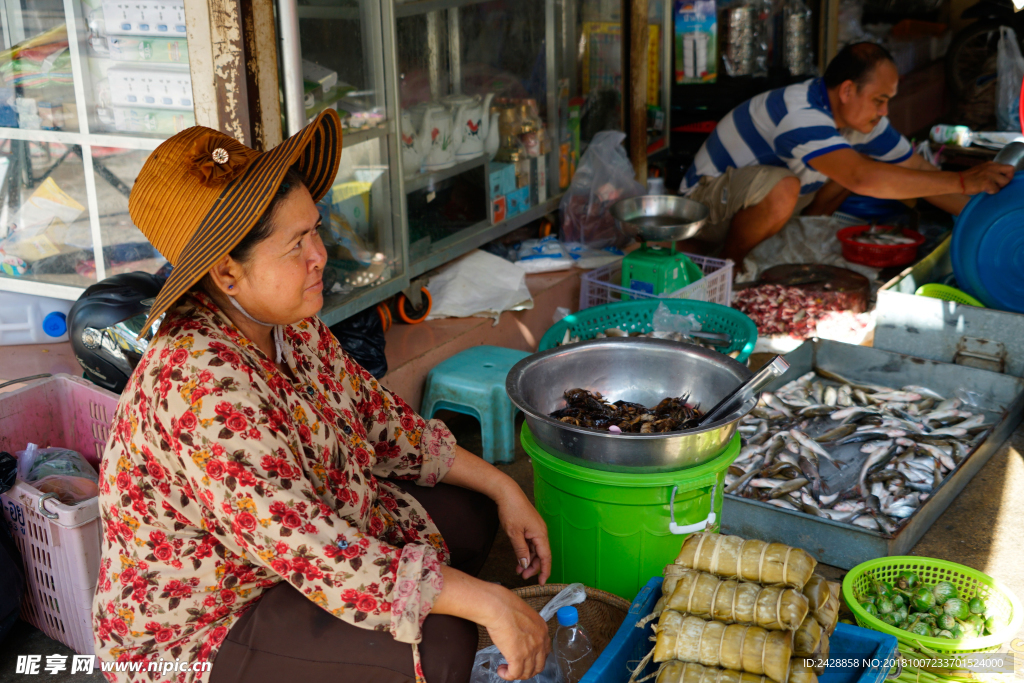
(286, 637)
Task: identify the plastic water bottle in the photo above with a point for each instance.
(573, 649)
(31, 319)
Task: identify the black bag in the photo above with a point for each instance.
(362, 337)
(12, 578)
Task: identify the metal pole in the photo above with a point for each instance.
(434, 53)
(455, 50)
(291, 61)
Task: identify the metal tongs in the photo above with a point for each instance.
(772, 369)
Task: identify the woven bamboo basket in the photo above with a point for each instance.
(601, 613)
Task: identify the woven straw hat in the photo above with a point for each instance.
(201, 191)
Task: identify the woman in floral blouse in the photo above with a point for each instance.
(268, 506)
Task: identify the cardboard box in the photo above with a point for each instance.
(518, 201)
(151, 86)
(503, 179)
(499, 209)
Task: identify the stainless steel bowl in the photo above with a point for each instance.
(659, 218)
(632, 369)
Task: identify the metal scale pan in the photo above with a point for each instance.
(660, 218)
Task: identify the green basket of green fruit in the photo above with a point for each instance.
(941, 605)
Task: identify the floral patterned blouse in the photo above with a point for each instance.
(224, 476)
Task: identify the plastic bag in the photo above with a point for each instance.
(362, 337)
(1010, 67)
(603, 177)
(69, 490)
(34, 463)
(485, 666)
(543, 255)
(8, 471)
(675, 326)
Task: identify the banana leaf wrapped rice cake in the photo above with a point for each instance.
(732, 557)
(712, 643)
(771, 607)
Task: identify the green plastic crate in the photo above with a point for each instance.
(638, 316)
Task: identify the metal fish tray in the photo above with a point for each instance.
(845, 545)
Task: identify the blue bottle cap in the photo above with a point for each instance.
(568, 616)
(55, 324)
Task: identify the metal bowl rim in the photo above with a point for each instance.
(511, 382)
(615, 209)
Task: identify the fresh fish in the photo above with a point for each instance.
(845, 396)
(829, 499)
(901, 511)
(809, 443)
(831, 396)
(816, 411)
(876, 459)
(740, 483)
(924, 391)
(873, 435)
(897, 396)
(773, 402)
(958, 432)
(837, 433)
(867, 522)
(762, 483)
(818, 391)
(779, 503)
(810, 470)
(788, 487)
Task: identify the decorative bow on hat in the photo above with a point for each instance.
(218, 159)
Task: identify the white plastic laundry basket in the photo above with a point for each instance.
(60, 544)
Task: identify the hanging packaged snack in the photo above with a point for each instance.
(733, 557)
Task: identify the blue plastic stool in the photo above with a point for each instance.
(473, 383)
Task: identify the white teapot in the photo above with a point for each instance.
(437, 129)
(414, 144)
(472, 123)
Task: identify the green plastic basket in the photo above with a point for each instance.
(947, 293)
(638, 316)
(969, 583)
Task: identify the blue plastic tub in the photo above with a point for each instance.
(867, 655)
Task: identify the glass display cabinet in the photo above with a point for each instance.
(87, 89)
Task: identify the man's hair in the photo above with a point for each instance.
(855, 63)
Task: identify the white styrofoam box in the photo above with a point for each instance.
(150, 86)
(145, 17)
(31, 319)
(311, 71)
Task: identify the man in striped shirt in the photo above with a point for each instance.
(807, 146)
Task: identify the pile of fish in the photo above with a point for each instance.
(713, 341)
(809, 432)
(883, 236)
(589, 409)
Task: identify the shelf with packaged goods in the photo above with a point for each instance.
(355, 136)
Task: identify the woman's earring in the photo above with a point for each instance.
(231, 286)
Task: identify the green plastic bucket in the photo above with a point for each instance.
(614, 531)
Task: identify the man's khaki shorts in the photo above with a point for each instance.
(735, 190)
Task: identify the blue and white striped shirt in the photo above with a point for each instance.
(789, 127)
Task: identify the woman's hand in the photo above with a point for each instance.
(527, 531)
(515, 628)
(520, 520)
(521, 636)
